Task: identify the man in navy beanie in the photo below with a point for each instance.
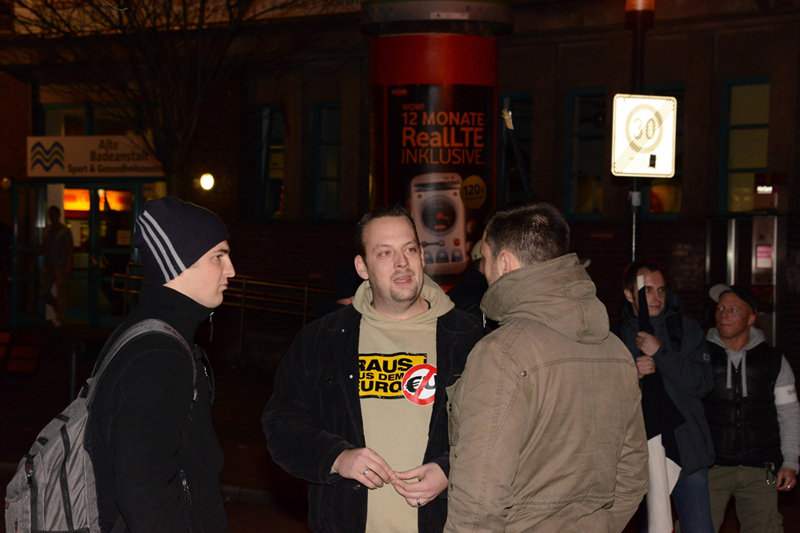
(156, 457)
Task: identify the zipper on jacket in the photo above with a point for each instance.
(63, 479)
(185, 487)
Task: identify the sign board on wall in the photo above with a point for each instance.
(91, 156)
(643, 141)
(439, 146)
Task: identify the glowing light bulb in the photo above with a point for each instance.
(207, 182)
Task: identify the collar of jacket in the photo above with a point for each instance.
(174, 308)
(344, 324)
(557, 293)
(347, 317)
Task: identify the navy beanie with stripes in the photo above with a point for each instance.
(172, 235)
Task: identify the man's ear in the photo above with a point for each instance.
(508, 262)
(628, 296)
(752, 319)
(361, 267)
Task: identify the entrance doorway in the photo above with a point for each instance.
(101, 220)
(100, 216)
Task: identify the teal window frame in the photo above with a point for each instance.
(524, 138)
(569, 136)
(89, 111)
(724, 140)
(265, 143)
(667, 90)
(319, 145)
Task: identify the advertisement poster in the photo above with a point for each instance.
(439, 163)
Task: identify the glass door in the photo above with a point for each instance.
(100, 217)
(28, 219)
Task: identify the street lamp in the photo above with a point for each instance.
(205, 182)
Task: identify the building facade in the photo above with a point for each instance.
(290, 148)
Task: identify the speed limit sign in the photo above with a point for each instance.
(643, 143)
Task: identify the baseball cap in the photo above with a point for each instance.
(742, 291)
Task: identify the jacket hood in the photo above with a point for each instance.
(673, 306)
(739, 358)
(558, 293)
(756, 338)
(432, 293)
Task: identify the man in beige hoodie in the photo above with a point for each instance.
(546, 427)
(359, 404)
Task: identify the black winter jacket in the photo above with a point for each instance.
(315, 414)
(687, 376)
(156, 457)
(745, 430)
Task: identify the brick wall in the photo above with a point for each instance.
(790, 308)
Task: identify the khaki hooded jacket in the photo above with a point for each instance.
(546, 427)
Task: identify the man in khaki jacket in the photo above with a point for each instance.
(546, 427)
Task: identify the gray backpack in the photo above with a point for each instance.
(53, 489)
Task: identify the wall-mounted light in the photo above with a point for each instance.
(5, 183)
(764, 189)
(205, 182)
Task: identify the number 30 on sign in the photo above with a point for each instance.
(643, 142)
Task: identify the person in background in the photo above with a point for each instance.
(467, 294)
(753, 415)
(677, 348)
(57, 250)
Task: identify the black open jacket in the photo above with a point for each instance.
(315, 415)
(156, 457)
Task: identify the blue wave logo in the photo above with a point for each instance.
(47, 158)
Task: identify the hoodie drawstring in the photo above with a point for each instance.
(729, 381)
(743, 367)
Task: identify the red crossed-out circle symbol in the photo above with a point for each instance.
(419, 384)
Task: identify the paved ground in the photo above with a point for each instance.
(260, 496)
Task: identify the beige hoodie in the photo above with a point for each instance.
(395, 426)
(546, 423)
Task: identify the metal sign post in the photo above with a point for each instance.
(638, 17)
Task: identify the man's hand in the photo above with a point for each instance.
(786, 479)
(645, 365)
(648, 344)
(365, 466)
(432, 482)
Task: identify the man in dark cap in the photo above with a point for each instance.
(752, 413)
(156, 457)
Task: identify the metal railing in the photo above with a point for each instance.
(247, 293)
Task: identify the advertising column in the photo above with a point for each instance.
(434, 128)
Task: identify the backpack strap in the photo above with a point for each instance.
(144, 327)
(675, 329)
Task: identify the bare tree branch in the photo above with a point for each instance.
(154, 63)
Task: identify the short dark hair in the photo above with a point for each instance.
(632, 270)
(532, 230)
(383, 211)
(54, 208)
